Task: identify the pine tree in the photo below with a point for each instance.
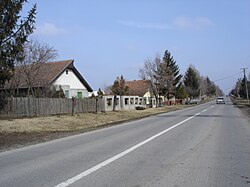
(119, 87)
(169, 76)
(181, 92)
(13, 35)
(211, 87)
(192, 82)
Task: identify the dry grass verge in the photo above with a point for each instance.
(20, 132)
(244, 106)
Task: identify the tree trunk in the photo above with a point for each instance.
(114, 103)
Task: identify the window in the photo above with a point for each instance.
(67, 72)
(66, 93)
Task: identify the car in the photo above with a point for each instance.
(193, 101)
(220, 100)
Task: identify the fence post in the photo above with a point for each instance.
(96, 105)
(114, 102)
(73, 105)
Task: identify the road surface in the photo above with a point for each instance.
(205, 145)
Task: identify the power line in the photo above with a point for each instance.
(230, 76)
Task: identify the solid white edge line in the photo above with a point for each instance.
(112, 159)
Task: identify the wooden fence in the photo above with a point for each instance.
(29, 106)
(15, 107)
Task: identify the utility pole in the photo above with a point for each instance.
(244, 71)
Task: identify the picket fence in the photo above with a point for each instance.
(29, 106)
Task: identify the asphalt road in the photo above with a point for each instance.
(206, 145)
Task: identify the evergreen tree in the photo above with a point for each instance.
(169, 76)
(192, 82)
(13, 35)
(242, 89)
(119, 87)
(211, 88)
(100, 93)
(181, 92)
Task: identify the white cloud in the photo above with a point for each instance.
(138, 25)
(49, 29)
(131, 48)
(198, 23)
(180, 23)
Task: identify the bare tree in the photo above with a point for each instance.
(149, 72)
(35, 55)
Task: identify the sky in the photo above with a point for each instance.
(109, 38)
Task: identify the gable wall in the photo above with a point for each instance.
(71, 82)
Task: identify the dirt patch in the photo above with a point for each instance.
(244, 107)
(15, 133)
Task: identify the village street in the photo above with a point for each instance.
(204, 145)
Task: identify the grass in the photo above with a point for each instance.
(78, 122)
(16, 133)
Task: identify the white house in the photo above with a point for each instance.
(71, 81)
(60, 75)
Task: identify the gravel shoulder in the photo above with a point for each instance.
(244, 107)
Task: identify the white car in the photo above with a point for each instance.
(194, 101)
(220, 100)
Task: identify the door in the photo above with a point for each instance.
(79, 95)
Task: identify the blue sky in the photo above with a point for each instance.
(108, 38)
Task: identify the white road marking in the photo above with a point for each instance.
(204, 110)
(114, 158)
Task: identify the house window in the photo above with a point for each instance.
(66, 93)
(67, 72)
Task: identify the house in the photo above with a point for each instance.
(60, 75)
(143, 88)
(140, 88)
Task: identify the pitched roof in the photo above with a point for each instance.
(44, 74)
(138, 87)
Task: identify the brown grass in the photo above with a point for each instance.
(21, 132)
(65, 123)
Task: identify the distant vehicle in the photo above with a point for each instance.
(193, 101)
(220, 100)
